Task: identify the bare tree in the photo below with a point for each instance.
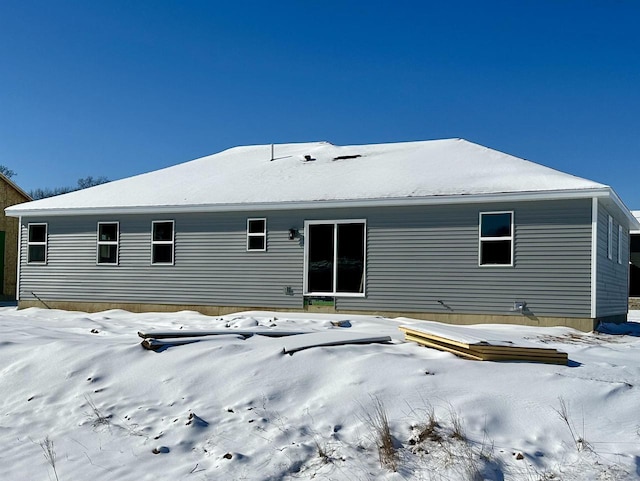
(6, 171)
(83, 183)
(90, 181)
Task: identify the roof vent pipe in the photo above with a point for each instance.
(271, 153)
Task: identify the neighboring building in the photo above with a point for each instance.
(634, 263)
(10, 194)
(445, 230)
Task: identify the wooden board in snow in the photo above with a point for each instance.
(329, 338)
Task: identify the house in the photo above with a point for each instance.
(444, 230)
(10, 194)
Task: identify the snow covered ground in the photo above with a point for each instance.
(81, 400)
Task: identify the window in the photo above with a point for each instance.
(335, 255)
(620, 234)
(37, 244)
(496, 239)
(256, 234)
(108, 237)
(162, 240)
(610, 239)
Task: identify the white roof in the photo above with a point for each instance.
(246, 177)
(636, 214)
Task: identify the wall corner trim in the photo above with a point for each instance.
(19, 258)
(594, 256)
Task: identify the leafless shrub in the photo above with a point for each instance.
(428, 429)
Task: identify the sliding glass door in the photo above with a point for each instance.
(335, 254)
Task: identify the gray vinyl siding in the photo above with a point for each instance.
(431, 262)
(416, 257)
(212, 265)
(612, 277)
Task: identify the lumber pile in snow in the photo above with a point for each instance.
(470, 346)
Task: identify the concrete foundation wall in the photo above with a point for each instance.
(582, 324)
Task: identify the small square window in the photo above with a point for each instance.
(108, 240)
(108, 232)
(37, 243)
(162, 254)
(37, 233)
(107, 254)
(163, 231)
(496, 239)
(162, 242)
(256, 234)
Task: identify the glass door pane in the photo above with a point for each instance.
(320, 268)
(350, 258)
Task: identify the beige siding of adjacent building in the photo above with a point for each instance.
(10, 194)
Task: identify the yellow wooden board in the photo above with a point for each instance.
(452, 349)
(432, 336)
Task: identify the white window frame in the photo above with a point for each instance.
(482, 239)
(45, 243)
(620, 244)
(335, 223)
(100, 243)
(172, 242)
(610, 239)
(262, 234)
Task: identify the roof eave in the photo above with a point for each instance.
(602, 192)
(634, 224)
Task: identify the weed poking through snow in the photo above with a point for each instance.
(98, 419)
(580, 441)
(49, 454)
(379, 424)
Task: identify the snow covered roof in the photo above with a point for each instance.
(321, 174)
(636, 214)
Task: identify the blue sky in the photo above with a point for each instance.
(116, 88)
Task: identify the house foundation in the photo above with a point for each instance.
(582, 324)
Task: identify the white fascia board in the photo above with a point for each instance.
(634, 223)
(605, 192)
